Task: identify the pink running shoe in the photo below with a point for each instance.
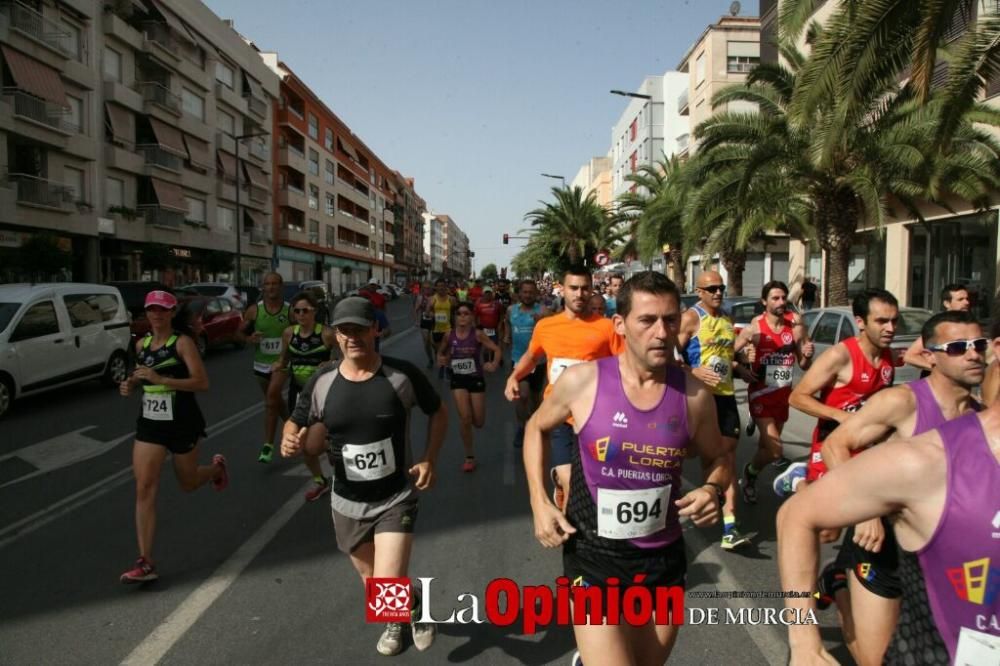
(469, 465)
(223, 481)
(142, 572)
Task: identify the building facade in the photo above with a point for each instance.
(595, 176)
(457, 259)
(117, 124)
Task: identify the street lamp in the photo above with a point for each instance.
(549, 175)
(239, 216)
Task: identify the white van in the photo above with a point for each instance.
(52, 335)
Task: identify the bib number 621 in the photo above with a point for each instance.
(370, 460)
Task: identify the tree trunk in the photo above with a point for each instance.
(837, 215)
(677, 262)
(838, 259)
(734, 263)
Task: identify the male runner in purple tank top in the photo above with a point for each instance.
(638, 416)
(869, 604)
(941, 490)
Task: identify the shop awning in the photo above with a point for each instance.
(198, 152)
(255, 176)
(227, 163)
(35, 77)
(348, 148)
(169, 195)
(168, 137)
(121, 125)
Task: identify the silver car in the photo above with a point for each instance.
(828, 326)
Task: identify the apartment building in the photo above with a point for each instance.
(433, 245)
(595, 176)
(457, 258)
(912, 260)
(409, 210)
(117, 124)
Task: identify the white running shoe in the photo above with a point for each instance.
(390, 643)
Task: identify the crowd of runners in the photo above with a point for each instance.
(613, 384)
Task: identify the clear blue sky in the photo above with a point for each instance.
(474, 98)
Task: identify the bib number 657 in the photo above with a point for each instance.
(637, 512)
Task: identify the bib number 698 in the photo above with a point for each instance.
(638, 512)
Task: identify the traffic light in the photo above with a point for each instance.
(506, 239)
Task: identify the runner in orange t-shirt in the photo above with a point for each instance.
(565, 339)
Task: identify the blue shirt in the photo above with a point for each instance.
(522, 325)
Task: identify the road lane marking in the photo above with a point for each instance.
(39, 519)
(156, 645)
(508, 454)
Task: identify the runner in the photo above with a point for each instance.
(991, 385)
(263, 325)
(306, 347)
(462, 291)
(423, 313)
(565, 340)
(170, 370)
(516, 330)
(476, 292)
(940, 491)
(954, 298)
(870, 604)
(777, 340)
(488, 313)
(374, 476)
(707, 337)
(441, 306)
(638, 396)
(462, 352)
(611, 298)
(503, 293)
(596, 305)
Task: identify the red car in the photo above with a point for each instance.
(214, 321)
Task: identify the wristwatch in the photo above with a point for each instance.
(720, 492)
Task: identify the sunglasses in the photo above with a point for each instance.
(960, 347)
(302, 310)
(714, 288)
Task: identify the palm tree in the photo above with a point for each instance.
(578, 225)
(831, 173)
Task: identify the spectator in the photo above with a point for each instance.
(808, 294)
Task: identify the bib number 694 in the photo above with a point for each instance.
(637, 512)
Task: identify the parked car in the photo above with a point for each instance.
(53, 335)
(744, 308)
(221, 290)
(214, 321)
(828, 326)
(687, 300)
(134, 295)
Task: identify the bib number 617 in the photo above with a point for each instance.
(637, 512)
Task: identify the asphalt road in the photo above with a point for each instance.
(252, 575)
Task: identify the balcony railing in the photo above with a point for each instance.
(260, 150)
(157, 93)
(256, 105)
(41, 111)
(260, 236)
(160, 33)
(156, 156)
(682, 102)
(39, 191)
(295, 189)
(294, 151)
(161, 217)
(257, 193)
(683, 141)
(34, 25)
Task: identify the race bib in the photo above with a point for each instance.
(158, 406)
(463, 366)
(558, 366)
(490, 332)
(976, 647)
(721, 367)
(630, 514)
(778, 376)
(369, 462)
(441, 317)
(270, 346)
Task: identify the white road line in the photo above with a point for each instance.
(172, 629)
(39, 519)
(508, 454)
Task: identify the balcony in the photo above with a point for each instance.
(156, 157)
(290, 156)
(259, 150)
(37, 110)
(292, 197)
(257, 193)
(294, 234)
(161, 217)
(256, 105)
(682, 103)
(35, 191)
(157, 94)
(683, 144)
(116, 26)
(124, 158)
(33, 25)
(158, 35)
(260, 236)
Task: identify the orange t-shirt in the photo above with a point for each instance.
(566, 342)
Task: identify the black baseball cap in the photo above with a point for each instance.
(354, 310)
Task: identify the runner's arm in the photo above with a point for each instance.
(915, 355)
(330, 340)
(869, 425)
(824, 372)
(748, 336)
(286, 338)
(804, 348)
(249, 321)
(705, 435)
(485, 341)
(688, 329)
(198, 377)
(991, 385)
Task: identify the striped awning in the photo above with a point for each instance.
(198, 152)
(168, 137)
(176, 24)
(227, 163)
(348, 148)
(121, 127)
(255, 176)
(169, 195)
(256, 219)
(35, 77)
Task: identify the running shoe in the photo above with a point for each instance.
(391, 641)
(781, 464)
(830, 581)
(223, 480)
(142, 572)
(751, 428)
(319, 489)
(266, 453)
(423, 634)
(577, 659)
(785, 483)
(469, 465)
(748, 484)
(733, 539)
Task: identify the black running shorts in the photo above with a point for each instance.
(728, 414)
(877, 572)
(355, 532)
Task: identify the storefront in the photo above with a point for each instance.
(346, 274)
(297, 265)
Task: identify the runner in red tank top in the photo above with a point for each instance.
(775, 342)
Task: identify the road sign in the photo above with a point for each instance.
(602, 258)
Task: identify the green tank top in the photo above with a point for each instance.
(305, 354)
(270, 326)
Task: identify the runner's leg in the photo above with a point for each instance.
(463, 404)
(876, 616)
(603, 644)
(478, 404)
(392, 554)
(190, 474)
(652, 644)
(768, 444)
(147, 462)
(363, 559)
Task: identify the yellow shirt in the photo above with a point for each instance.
(712, 347)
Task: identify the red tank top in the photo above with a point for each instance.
(774, 360)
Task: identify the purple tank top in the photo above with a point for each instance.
(929, 415)
(631, 461)
(465, 354)
(961, 562)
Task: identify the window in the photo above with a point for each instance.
(314, 232)
(328, 176)
(114, 192)
(331, 204)
(74, 183)
(112, 65)
(90, 309)
(193, 104)
(224, 74)
(825, 332)
(328, 139)
(39, 320)
(331, 236)
(72, 34)
(226, 122)
(699, 68)
(313, 197)
(75, 117)
(313, 127)
(225, 218)
(741, 57)
(196, 211)
(313, 162)
(632, 129)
